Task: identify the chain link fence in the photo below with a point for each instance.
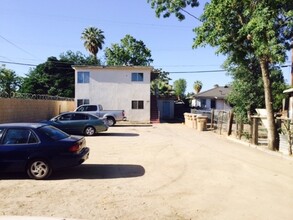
(35, 96)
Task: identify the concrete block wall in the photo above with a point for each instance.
(30, 110)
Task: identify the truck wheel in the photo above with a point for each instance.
(89, 131)
(111, 121)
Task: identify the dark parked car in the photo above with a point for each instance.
(79, 123)
(39, 149)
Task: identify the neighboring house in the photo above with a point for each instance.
(214, 98)
(288, 104)
(116, 88)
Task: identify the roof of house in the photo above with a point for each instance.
(218, 92)
(78, 67)
(288, 90)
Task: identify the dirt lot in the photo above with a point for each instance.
(161, 171)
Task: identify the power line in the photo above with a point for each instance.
(173, 72)
(198, 71)
(23, 50)
(23, 64)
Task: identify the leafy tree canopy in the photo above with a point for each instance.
(78, 58)
(247, 91)
(240, 28)
(168, 7)
(56, 77)
(179, 87)
(9, 81)
(129, 52)
(160, 84)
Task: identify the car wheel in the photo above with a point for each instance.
(89, 131)
(39, 169)
(111, 121)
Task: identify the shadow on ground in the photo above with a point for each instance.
(133, 125)
(100, 171)
(173, 121)
(88, 171)
(118, 134)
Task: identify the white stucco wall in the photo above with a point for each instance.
(220, 104)
(113, 89)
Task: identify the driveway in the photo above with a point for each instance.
(160, 171)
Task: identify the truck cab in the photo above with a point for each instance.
(112, 116)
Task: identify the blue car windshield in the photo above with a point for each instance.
(53, 133)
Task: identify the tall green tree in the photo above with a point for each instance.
(55, 77)
(247, 92)
(9, 82)
(179, 87)
(77, 58)
(93, 40)
(129, 52)
(160, 84)
(242, 29)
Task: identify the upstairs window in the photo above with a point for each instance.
(83, 77)
(137, 77)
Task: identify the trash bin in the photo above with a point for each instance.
(185, 118)
(202, 123)
(194, 123)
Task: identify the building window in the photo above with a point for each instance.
(213, 103)
(82, 102)
(203, 103)
(83, 77)
(137, 77)
(137, 104)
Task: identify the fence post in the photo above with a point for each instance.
(255, 130)
(230, 122)
(212, 118)
(220, 115)
(240, 130)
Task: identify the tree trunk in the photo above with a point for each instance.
(273, 140)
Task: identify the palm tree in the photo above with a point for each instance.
(197, 86)
(93, 40)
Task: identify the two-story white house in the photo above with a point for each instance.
(116, 88)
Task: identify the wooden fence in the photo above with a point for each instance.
(254, 132)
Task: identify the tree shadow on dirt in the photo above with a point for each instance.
(87, 171)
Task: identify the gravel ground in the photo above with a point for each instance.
(160, 171)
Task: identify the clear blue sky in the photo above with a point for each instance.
(33, 30)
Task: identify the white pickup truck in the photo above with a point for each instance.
(112, 116)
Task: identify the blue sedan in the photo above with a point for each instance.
(38, 149)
